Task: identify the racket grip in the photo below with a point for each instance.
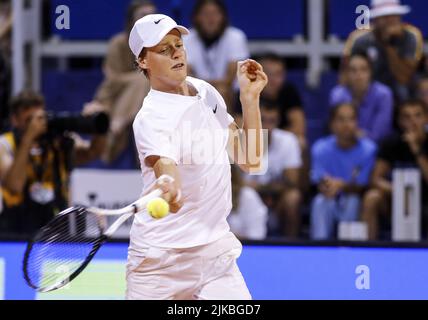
(141, 203)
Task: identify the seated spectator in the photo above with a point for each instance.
(122, 92)
(407, 149)
(341, 167)
(279, 186)
(35, 167)
(5, 24)
(5, 60)
(281, 92)
(5, 87)
(395, 48)
(284, 94)
(248, 218)
(373, 100)
(422, 90)
(214, 47)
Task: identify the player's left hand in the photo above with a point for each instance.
(251, 78)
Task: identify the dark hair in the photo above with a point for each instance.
(271, 56)
(201, 3)
(25, 100)
(269, 105)
(335, 110)
(130, 11)
(411, 102)
(362, 55)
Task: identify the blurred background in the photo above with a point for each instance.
(346, 109)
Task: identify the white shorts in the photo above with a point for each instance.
(207, 272)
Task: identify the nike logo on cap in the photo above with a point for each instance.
(215, 110)
(156, 22)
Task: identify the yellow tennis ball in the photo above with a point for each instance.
(158, 208)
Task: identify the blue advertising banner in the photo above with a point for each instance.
(271, 272)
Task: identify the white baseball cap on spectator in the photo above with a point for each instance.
(150, 30)
(380, 8)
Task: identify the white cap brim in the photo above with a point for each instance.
(155, 40)
(381, 12)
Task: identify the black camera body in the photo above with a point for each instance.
(58, 124)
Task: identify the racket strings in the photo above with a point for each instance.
(60, 248)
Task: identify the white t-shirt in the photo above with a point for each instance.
(186, 130)
(211, 64)
(283, 153)
(249, 220)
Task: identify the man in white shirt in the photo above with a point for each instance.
(214, 47)
(183, 130)
(279, 185)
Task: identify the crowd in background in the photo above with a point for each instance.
(378, 121)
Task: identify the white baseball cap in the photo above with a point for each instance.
(380, 8)
(150, 30)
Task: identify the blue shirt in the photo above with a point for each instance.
(375, 112)
(352, 165)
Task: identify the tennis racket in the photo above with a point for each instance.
(63, 248)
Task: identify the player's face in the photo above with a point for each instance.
(276, 74)
(359, 73)
(344, 125)
(412, 118)
(166, 62)
(210, 19)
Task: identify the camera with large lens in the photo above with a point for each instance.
(58, 124)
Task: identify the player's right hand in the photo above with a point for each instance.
(171, 193)
(37, 126)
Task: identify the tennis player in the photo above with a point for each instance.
(183, 131)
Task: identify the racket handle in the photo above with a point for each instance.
(132, 209)
(141, 203)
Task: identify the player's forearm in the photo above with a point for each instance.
(253, 133)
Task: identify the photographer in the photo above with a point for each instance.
(36, 158)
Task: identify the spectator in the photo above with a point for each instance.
(248, 218)
(122, 92)
(281, 92)
(214, 47)
(373, 100)
(341, 167)
(422, 90)
(395, 48)
(407, 149)
(284, 94)
(279, 185)
(35, 167)
(5, 25)
(5, 63)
